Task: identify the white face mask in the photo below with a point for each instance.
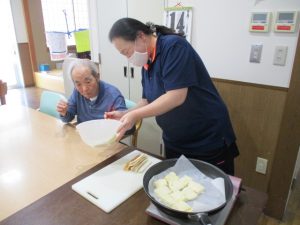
(139, 58)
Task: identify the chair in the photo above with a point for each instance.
(3, 92)
(68, 83)
(49, 101)
(130, 104)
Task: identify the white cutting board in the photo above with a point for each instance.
(110, 186)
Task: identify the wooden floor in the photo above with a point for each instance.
(292, 213)
(24, 96)
(30, 97)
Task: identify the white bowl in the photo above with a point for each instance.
(98, 132)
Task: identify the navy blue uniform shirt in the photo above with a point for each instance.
(202, 122)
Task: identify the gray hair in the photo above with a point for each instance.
(84, 63)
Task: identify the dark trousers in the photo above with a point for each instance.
(222, 158)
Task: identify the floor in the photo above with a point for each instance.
(24, 96)
(30, 97)
(292, 214)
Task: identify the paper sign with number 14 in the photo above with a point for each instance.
(179, 19)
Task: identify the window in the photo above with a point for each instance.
(65, 16)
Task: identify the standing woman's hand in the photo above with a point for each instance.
(128, 121)
(62, 107)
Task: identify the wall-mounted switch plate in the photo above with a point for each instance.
(261, 165)
(280, 55)
(255, 53)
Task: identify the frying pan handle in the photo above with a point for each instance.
(202, 217)
(205, 220)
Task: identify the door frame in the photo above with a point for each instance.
(288, 143)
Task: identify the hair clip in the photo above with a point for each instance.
(152, 26)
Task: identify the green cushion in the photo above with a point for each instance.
(129, 104)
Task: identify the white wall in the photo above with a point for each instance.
(19, 21)
(221, 37)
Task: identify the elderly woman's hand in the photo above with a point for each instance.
(116, 115)
(62, 107)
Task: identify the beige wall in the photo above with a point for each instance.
(30, 34)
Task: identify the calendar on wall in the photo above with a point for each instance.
(179, 19)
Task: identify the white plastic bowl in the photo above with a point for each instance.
(98, 132)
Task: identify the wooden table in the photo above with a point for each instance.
(38, 154)
(65, 207)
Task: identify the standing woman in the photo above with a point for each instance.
(178, 91)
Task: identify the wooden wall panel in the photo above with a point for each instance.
(26, 64)
(30, 35)
(256, 112)
(38, 37)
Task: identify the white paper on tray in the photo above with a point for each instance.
(211, 198)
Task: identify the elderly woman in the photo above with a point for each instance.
(91, 97)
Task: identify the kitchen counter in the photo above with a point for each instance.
(51, 80)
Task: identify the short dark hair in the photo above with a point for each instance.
(129, 28)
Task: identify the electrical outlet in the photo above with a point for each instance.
(261, 165)
(280, 55)
(255, 53)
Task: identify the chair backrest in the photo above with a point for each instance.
(68, 83)
(3, 92)
(49, 101)
(130, 104)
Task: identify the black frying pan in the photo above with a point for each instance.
(206, 168)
